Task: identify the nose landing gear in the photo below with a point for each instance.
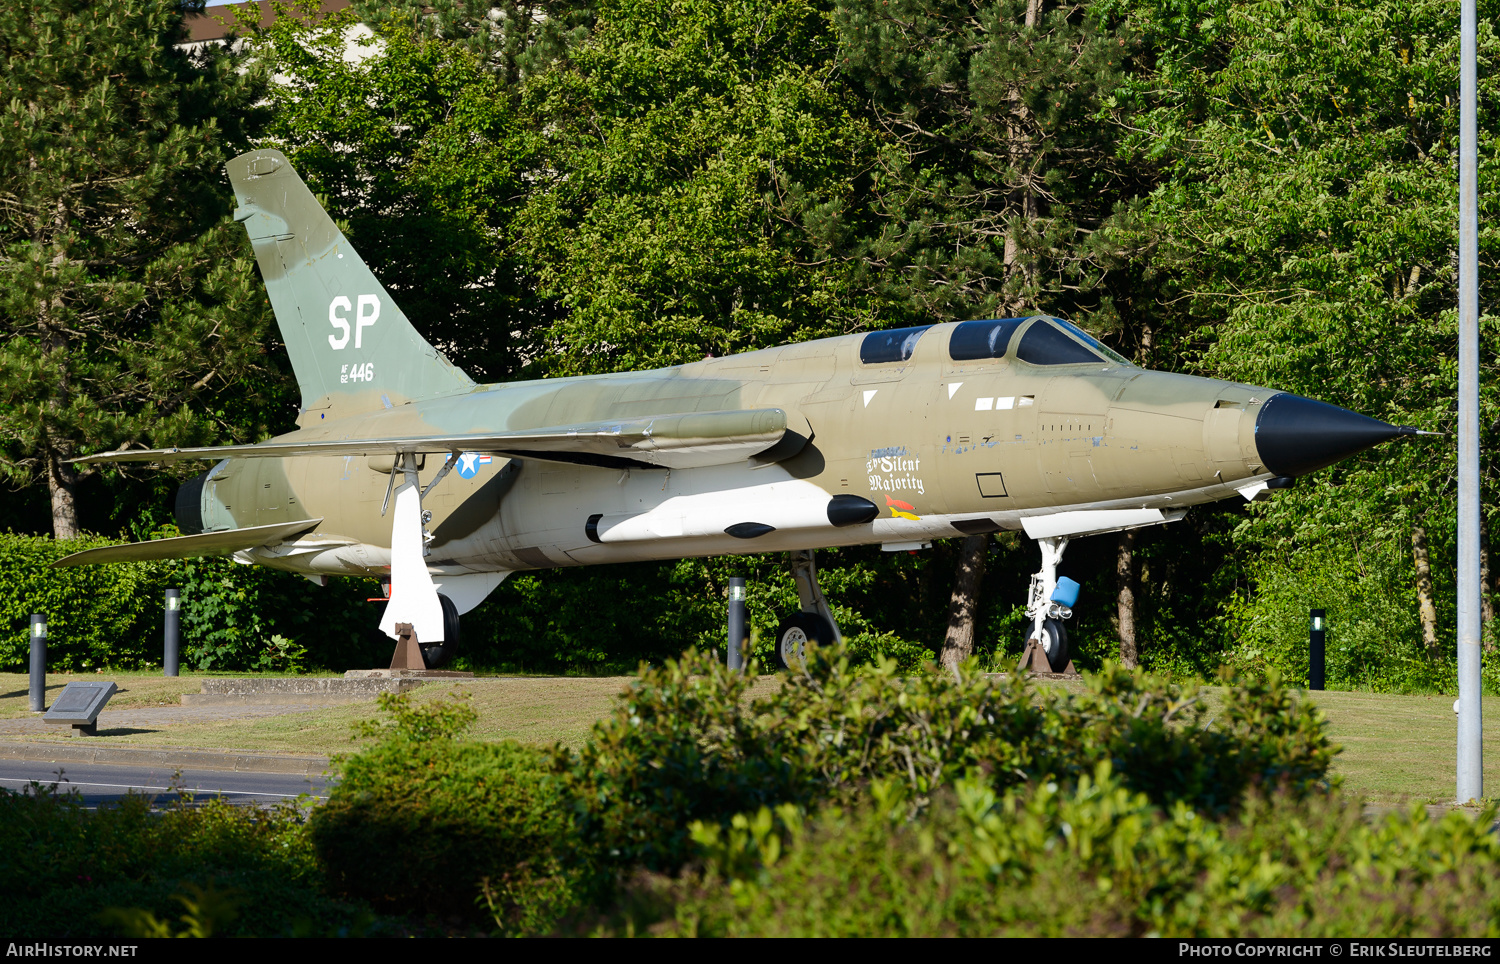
(1047, 648)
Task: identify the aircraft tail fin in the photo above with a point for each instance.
(351, 347)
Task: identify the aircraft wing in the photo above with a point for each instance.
(670, 441)
(181, 547)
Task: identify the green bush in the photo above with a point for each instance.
(870, 648)
(234, 617)
(96, 615)
(1374, 636)
(425, 823)
(688, 744)
(1094, 859)
(683, 744)
(590, 620)
(62, 863)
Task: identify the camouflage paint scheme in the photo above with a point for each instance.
(664, 464)
(1093, 437)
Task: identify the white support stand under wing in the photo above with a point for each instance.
(414, 598)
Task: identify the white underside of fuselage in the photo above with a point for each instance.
(643, 515)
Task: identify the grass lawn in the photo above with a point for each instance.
(135, 690)
(1395, 748)
(1403, 748)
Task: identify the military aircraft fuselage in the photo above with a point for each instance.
(940, 447)
(404, 469)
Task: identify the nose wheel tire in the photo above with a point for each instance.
(795, 633)
(438, 655)
(1055, 644)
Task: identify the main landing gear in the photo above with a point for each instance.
(813, 624)
(440, 654)
(1048, 605)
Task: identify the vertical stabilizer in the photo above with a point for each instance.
(352, 349)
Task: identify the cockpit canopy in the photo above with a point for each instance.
(1042, 341)
(891, 345)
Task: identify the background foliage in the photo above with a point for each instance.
(841, 804)
(1263, 192)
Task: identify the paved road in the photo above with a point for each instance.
(98, 783)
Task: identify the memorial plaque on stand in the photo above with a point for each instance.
(79, 705)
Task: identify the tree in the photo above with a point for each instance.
(510, 39)
(1308, 229)
(1003, 164)
(125, 292)
(998, 171)
(426, 153)
(958, 642)
(688, 148)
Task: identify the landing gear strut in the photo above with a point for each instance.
(813, 624)
(1048, 641)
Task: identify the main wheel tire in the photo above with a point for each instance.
(793, 635)
(1055, 644)
(438, 655)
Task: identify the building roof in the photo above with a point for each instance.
(206, 26)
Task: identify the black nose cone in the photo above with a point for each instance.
(1296, 435)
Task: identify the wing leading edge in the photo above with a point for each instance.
(668, 441)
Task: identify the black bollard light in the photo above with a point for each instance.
(38, 690)
(737, 623)
(1315, 650)
(171, 632)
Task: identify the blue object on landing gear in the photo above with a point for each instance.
(1066, 593)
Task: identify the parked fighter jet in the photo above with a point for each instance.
(404, 469)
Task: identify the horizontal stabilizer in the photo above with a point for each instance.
(668, 441)
(184, 547)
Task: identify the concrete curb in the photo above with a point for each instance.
(309, 701)
(39, 752)
(309, 686)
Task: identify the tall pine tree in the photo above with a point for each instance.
(125, 293)
(1001, 169)
(1004, 162)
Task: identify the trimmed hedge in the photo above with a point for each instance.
(232, 615)
(97, 616)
